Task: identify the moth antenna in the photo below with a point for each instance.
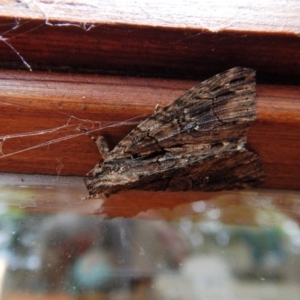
(89, 172)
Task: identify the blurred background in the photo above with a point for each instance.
(214, 249)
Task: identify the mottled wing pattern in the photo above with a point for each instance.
(221, 107)
(195, 143)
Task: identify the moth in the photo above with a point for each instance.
(198, 142)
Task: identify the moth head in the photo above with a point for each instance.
(106, 181)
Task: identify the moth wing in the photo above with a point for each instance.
(195, 143)
(218, 109)
(229, 170)
(224, 171)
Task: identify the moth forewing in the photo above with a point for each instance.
(204, 128)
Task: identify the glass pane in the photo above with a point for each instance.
(243, 245)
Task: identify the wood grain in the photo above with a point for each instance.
(188, 39)
(185, 39)
(37, 102)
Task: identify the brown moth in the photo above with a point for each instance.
(195, 143)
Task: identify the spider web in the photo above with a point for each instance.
(18, 28)
(67, 131)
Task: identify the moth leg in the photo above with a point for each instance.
(100, 142)
(156, 108)
(102, 145)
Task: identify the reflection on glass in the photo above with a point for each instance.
(69, 256)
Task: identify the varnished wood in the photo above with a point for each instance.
(184, 39)
(188, 39)
(34, 102)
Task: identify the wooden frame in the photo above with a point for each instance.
(115, 44)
